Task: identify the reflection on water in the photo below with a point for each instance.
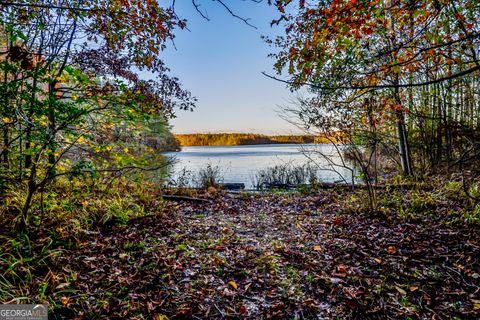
(239, 164)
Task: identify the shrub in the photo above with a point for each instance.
(210, 176)
(286, 174)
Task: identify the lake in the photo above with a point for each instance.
(240, 164)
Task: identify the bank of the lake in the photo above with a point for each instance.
(241, 164)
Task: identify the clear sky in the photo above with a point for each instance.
(220, 61)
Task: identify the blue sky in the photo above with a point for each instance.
(220, 61)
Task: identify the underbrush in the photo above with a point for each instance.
(65, 215)
(80, 204)
(438, 199)
(209, 176)
(71, 215)
(286, 174)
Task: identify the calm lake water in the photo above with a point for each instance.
(240, 164)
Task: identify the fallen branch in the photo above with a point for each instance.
(183, 198)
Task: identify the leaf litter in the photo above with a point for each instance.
(273, 256)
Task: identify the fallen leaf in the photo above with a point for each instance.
(225, 230)
(233, 284)
(351, 304)
(150, 306)
(184, 310)
(392, 249)
(403, 292)
(317, 248)
(65, 300)
(337, 221)
(476, 304)
(242, 309)
(342, 268)
(62, 285)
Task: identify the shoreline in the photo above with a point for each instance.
(254, 144)
(238, 139)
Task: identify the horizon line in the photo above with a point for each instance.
(246, 132)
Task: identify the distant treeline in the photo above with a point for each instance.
(232, 139)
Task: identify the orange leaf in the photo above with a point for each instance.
(413, 288)
(233, 284)
(392, 249)
(317, 248)
(249, 248)
(65, 300)
(342, 268)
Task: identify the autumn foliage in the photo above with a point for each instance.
(364, 44)
(227, 139)
(379, 66)
(74, 98)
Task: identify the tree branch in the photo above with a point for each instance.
(378, 87)
(44, 6)
(197, 8)
(235, 15)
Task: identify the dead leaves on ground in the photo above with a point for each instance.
(276, 256)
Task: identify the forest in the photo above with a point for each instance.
(90, 228)
(233, 139)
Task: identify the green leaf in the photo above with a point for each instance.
(22, 36)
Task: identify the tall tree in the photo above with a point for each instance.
(358, 46)
(52, 100)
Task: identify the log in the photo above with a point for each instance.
(282, 186)
(183, 198)
(233, 186)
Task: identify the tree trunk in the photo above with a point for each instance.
(51, 126)
(5, 151)
(403, 144)
(32, 187)
(403, 139)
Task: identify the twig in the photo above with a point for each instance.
(221, 313)
(197, 8)
(235, 15)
